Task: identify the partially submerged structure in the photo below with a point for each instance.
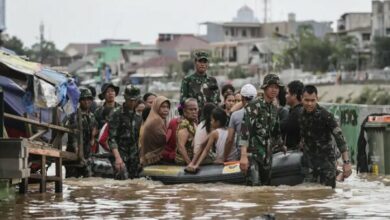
(33, 101)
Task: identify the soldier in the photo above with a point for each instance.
(260, 133)
(199, 85)
(90, 131)
(317, 128)
(108, 93)
(124, 125)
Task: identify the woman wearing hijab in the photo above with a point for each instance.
(153, 139)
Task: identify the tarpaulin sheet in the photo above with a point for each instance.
(18, 64)
(13, 94)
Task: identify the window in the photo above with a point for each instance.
(137, 52)
(387, 31)
(244, 33)
(233, 32)
(253, 32)
(366, 36)
(226, 33)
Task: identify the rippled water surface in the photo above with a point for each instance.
(359, 197)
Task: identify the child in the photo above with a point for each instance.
(217, 139)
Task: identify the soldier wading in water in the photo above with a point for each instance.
(124, 126)
(260, 133)
(317, 128)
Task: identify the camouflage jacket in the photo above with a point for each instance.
(317, 129)
(260, 127)
(124, 126)
(88, 123)
(203, 88)
(100, 118)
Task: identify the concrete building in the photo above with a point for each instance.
(180, 46)
(380, 18)
(77, 51)
(134, 54)
(246, 26)
(351, 21)
(256, 52)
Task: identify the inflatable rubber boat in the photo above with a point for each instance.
(286, 170)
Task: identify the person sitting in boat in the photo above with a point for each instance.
(203, 129)
(186, 132)
(228, 103)
(216, 139)
(154, 133)
(169, 153)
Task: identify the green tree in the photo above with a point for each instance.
(344, 54)
(45, 52)
(15, 44)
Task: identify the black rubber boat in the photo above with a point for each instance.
(286, 170)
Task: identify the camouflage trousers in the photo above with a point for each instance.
(320, 170)
(259, 171)
(132, 164)
(78, 170)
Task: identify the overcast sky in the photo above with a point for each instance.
(141, 20)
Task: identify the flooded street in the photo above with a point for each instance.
(359, 197)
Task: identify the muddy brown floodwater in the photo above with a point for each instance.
(359, 197)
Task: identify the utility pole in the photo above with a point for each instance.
(267, 10)
(2, 20)
(41, 40)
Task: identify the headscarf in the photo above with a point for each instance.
(153, 139)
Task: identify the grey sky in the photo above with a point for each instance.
(141, 20)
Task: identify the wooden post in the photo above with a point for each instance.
(58, 184)
(42, 186)
(23, 186)
(1, 113)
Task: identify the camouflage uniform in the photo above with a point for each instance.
(88, 123)
(100, 117)
(124, 126)
(317, 129)
(203, 88)
(260, 132)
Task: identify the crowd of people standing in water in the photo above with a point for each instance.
(247, 126)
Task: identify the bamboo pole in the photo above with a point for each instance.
(45, 125)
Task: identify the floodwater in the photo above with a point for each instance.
(359, 197)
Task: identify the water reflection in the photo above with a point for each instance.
(94, 198)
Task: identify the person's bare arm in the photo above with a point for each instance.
(229, 143)
(119, 164)
(182, 137)
(212, 139)
(236, 107)
(244, 162)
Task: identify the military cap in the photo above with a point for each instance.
(201, 54)
(85, 94)
(132, 92)
(271, 79)
(104, 88)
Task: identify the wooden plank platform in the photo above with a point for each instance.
(16, 156)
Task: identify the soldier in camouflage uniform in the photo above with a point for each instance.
(317, 127)
(124, 125)
(199, 85)
(108, 93)
(260, 133)
(89, 130)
